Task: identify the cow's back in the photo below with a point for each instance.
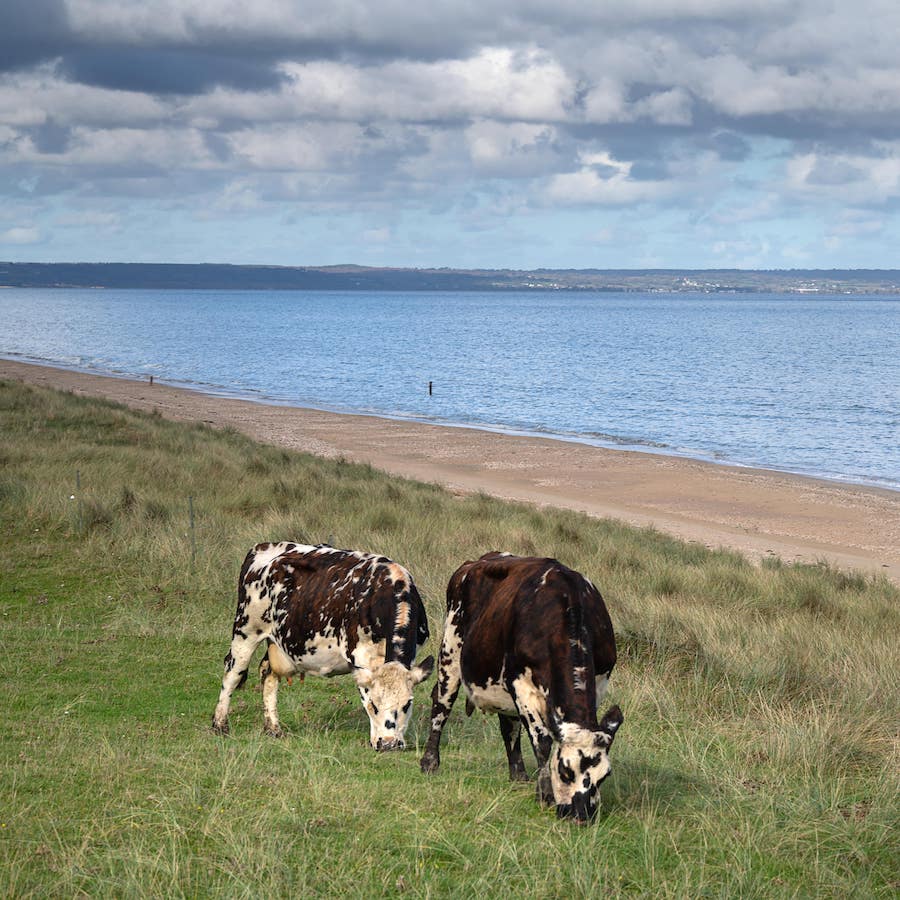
(321, 590)
(527, 609)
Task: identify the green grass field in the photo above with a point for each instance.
(758, 758)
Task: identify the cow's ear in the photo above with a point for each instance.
(423, 670)
(363, 677)
(610, 723)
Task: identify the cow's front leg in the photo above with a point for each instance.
(237, 661)
(443, 694)
(542, 744)
(511, 729)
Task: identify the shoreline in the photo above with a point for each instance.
(758, 512)
(590, 439)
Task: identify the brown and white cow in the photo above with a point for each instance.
(531, 640)
(329, 612)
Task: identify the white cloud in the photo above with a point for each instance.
(20, 235)
(32, 98)
(89, 219)
(852, 179)
(603, 181)
(497, 82)
(468, 112)
(515, 149)
(377, 235)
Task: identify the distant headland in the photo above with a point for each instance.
(216, 276)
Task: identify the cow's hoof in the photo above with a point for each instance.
(518, 775)
(220, 727)
(429, 763)
(274, 731)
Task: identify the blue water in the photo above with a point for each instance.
(801, 384)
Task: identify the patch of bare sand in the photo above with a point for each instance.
(757, 512)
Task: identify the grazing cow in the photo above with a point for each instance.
(531, 640)
(329, 612)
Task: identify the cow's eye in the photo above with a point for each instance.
(374, 708)
(407, 706)
(566, 775)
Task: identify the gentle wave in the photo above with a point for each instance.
(810, 387)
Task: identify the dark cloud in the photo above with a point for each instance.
(834, 172)
(32, 32)
(50, 137)
(166, 71)
(649, 170)
(729, 146)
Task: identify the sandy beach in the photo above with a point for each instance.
(755, 511)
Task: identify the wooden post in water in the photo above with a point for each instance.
(429, 388)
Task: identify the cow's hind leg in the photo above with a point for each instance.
(237, 661)
(270, 682)
(511, 729)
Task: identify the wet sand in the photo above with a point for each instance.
(755, 511)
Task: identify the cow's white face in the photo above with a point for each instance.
(578, 765)
(387, 697)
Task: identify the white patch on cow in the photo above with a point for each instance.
(530, 697)
(451, 642)
(491, 697)
(580, 675)
(262, 559)
(368, 654)
(575, 736)
(325, 654)
(547, 574)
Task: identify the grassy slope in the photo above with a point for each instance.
(758, 755)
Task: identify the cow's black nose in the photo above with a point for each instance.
(579, 811)
(388, 744)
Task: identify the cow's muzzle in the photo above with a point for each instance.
(385, 744)
(579, 811)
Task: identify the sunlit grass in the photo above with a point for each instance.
(762, 706)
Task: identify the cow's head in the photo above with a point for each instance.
(578, 765)
(387, 695)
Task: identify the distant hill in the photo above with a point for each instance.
(212, 276)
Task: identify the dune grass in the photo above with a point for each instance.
(759, 754)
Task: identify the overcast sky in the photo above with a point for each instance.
(464, 133)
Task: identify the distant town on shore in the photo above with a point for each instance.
(215, 276)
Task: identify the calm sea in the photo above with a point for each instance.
(802, 384)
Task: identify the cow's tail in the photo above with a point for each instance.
(410, 629)
(578, 642)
